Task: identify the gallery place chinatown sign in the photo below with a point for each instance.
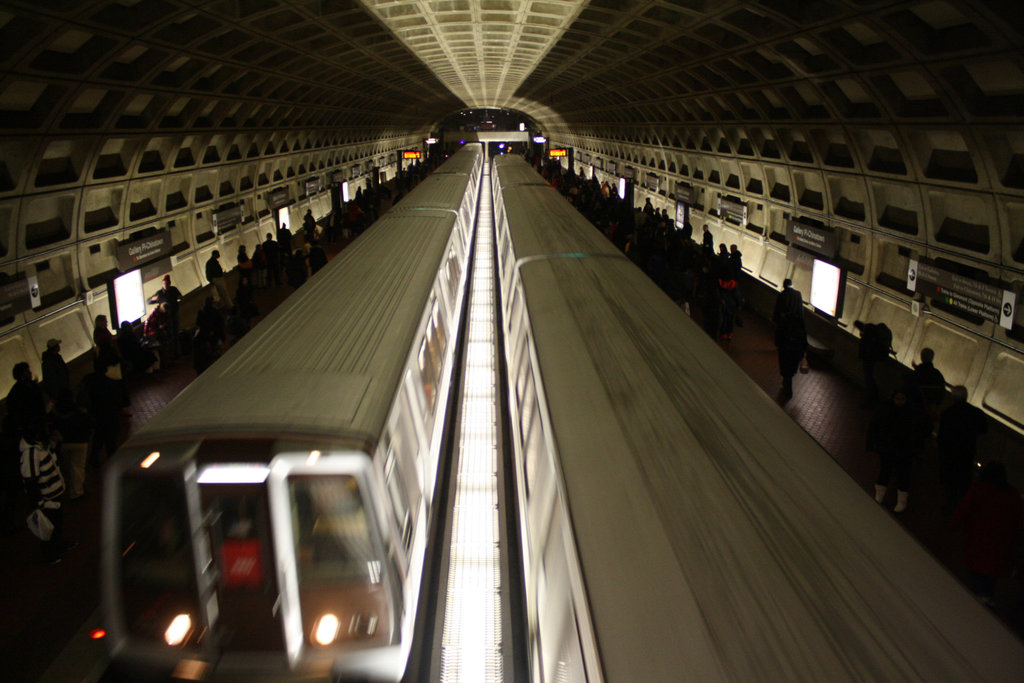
(133, 254)
(812, 239)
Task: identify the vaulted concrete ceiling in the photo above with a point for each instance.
(172, 64)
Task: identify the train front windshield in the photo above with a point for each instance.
(225, 590)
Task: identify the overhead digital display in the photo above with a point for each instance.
(412, 154)
(558, 152)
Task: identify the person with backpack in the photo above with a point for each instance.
(875, 347)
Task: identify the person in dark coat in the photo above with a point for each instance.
(284, 239)
(296, 269)
(929, 382)
(317, 258)
(26, 402)
(102, 394)
(244, 303)
(790, 334)
(990, 516)
(272, 252)
(897, 433)
(309, 226)
(875, 347)
(215, 275)
(960, 425)
(170, 297)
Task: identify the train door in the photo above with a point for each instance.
(237, 521)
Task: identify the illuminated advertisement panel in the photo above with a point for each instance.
(828, 283)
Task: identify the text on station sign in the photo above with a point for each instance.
(555, 153)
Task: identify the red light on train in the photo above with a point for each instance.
(97, 634)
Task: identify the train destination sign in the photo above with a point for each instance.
(137, 252)
(963, 293)
(412, 154)
(811, 238)
(558, 152)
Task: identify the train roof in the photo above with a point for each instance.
(328, 360)
(463, 160)
(716, 537)
(512, 170)
(565, 232)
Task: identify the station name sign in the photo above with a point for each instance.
(222, 220)
(338, 177)
(811, 238)
(313, 186)
(558, 152)
(963, 293)
(652, 182)
(131, 255)
(730, 210)
(412, 154)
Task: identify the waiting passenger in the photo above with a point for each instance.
(990, 516)
(317, 258)
(139, 358)
(897, 433)
(875, 347)
(44, 484)
(929, 382)
(790, 334)
(215, 276)
(960, 425)
(272, 251)
(170, 297)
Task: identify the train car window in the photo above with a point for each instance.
(158, 580)
(431, 354)
(399, 500)
(331, 530)
(452, 272)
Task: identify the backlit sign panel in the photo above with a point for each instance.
(412, 154)
(558, 152)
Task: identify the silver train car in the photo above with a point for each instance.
(676, 524)
(270, 523)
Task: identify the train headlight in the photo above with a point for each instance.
(179, 630)
(325, 630)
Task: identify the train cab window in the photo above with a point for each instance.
(158, 580)
(331, 530)
(399, 499)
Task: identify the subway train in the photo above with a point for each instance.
(676, 524)
(270, 523)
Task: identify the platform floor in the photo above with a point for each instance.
(45, 606)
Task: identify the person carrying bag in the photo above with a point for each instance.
(45, 485)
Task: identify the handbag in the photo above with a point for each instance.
(40, 525)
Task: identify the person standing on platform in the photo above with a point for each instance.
(309, 226)
(170, 297)
(317, 258)
(272, 252)
(990, 516)
(284, 239)
(929, 382)
(960, 425)
(215, 275)
(875, 347)
(45, 486)
(707, 241)
(71, 422)
(259, 267)
(790, 334)
(897, 433)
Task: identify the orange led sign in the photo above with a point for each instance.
(555, 152)
(412, 154)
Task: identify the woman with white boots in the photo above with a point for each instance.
(897, 433)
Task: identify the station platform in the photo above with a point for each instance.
(50, 609)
